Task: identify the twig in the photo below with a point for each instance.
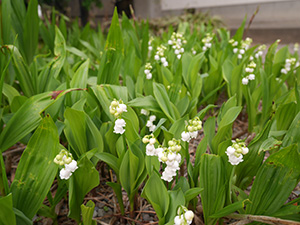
(242, 132)
(262, 219)
(103, 223)
(8, 152)
(241, 222)
(251, 19)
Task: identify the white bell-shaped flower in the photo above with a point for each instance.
(72, 166)
(65, 174)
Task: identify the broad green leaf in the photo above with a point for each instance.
(59, 51)
(75, 130)
(87, 213)
(110, 160)
(83, 180)
(131, 168)
(157, 195)
(81, 132)
(163, 101)
(292, 135)
(176, 199)
(36, 170)
(192, 193)
(225, 127)
(79, 80)
(151, 163)
(231, 208)
(103, 100)
(118, 191)
(10, 92)
(21, 218)
(147, 102)
(23, 74)
(274, 182)
(7, 215)
(26, 119)
(252, 161)
(240, 31)
(31, 31)
(212, 181)
(114, 38)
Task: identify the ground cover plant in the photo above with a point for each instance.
(135, 102)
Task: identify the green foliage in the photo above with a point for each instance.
(30, 187)
(58, 83)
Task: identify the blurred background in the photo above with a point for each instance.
(268, 20)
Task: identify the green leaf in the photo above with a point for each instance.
(114, 38)
(240, 31)
(79, 80)
(225, 128)
(30, 187)
(31, 31)
(84, 179)
(156, 193)
(274, 182)
(212, 182)
(22, 71)
(231, 208)
(252, 161)
(10, 92)
(163, 101)
(192, 193)
(7, 215)
(87, 213)
(176, 199)
(110, 160)
(131, 168)
(118, 191)
(292, 135)
(75, 130)
(59, 52)
(147, 102)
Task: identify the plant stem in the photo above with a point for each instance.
(262, 219)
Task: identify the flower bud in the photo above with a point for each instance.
(145, 140)
(171, 143)
(56, 161)
(164, 158)
(68, 160)
(114, 103)
(190, 129)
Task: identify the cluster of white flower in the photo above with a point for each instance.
(249, 73)
(147, 71)
(289, 64)
(116, 108)
(259, 53)
(177, 40)
(160, 55)
(207, 41)
(236, 151)
(150, 48)
(150, 148)
(170, 155)
(244, 46)
(184, 216)
(65, 159)
(191, 129)
(150, 124)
